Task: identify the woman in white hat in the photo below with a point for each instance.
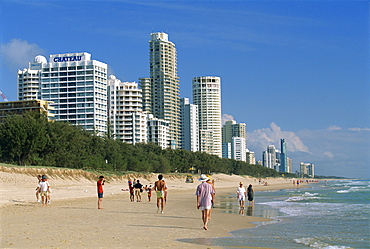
(205, 195)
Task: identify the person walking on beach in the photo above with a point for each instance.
(213, 186)
(138, 188)
(241, 194)
(250, 193)
(160, 188)
(99, 185)
(205, 197)
(131, 190)
(149, 191)
(37, 189)
(43, 188)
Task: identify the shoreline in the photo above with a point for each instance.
(73, 219)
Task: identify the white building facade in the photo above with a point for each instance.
(250, 157)
(238, 149)
(76, 84)
(128, 122)
(157, 131)
(189, 125)
(269, 157)
(207, 96)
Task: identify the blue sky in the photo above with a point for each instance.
(297, 70)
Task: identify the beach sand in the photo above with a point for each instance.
(73, 220)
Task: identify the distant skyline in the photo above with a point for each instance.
(297, 70)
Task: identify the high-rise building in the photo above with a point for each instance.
(145, 85)
(290, 163)
(157, 131)
(207, 95)
(238, 150)
(233, 129)
(230, 130)
(307, 169)
(269, 157)
(163, 89)
(283, 157)
(250, 156)
(76, 84)
(189, 129)
(226, 150)
(127, 120)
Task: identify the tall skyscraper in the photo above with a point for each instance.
(189, 125)
(283, 157)
(207, 95)
(127, 120)
(76, 84)
(163, 90)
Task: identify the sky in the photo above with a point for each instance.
(297, 70)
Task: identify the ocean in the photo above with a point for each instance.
(330, 215)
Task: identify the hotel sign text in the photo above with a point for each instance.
(67, 58)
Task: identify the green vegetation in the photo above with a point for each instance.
(32, 140)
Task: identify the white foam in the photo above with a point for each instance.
(316, 243)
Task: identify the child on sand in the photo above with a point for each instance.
(99, 185)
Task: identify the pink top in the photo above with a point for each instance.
(205, 191)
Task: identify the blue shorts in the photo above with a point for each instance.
(100, 195)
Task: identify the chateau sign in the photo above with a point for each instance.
(67, 58)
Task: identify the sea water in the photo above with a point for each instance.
(332, 214)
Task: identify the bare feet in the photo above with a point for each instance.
(205, 228)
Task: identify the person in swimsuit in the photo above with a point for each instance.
(100, 191)
(160, 188)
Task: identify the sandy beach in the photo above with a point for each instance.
(73, 220)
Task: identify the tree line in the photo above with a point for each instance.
(31, 139)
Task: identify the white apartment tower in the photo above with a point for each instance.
(76, 84)
(251, 159)
(127, 120)
(269, 157)
(157, 131)
(238, 149)
(207, 95)
(189, 126)
(164, 90)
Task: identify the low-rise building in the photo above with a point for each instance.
(20, 107)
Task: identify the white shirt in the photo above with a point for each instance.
(43, 186)
(241, 191)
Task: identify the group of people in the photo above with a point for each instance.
(205, 193)
(43, 190)
(136, 188)
(243, 193)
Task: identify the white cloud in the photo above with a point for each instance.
(359, 129)
(261, 138)
(334, 128)
(334, 150)
(329, 154)
(17, 53)
(226, 117)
